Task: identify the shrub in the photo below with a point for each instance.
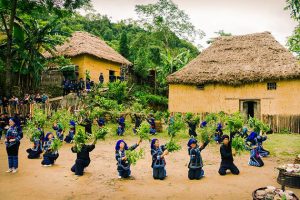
(62, 116)
(144, 130)
(152, 100)
(56, 144)
(100, 133)
(39, 117)
(117, 91)
(155, 100)
(80, 139)
(158, 115)
(238, 144)
(188, 116)
(207, 132)
(258, 125)
(234, 122)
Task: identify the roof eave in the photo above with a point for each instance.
(128, 63)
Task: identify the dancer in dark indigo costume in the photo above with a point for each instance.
(137, 122)
(87, 124)
(219, 133)
(192, 127)
(101, 122)
(262, 152)
(122, 162)
(255, 158)
(83, 158)
(203, 124)
(226, 156)
(244, 133)
(158, 159)
(3, 123)
(256, 140)
(49, 156)
(59, 129)
(196, 164)
(69, 138)
(251, 138)
(37, 149)
(121, 127)
(12, 142)
(151, 121)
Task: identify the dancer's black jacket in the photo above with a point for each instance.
(84, 154)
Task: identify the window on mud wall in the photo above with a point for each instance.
(200, 87)
(271, 86)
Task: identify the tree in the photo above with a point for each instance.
(32, 39)
(294, 7)
(8, 13)
(294, 40)
(140, 53)
(124, 45)
(10, 9)
(172, 61)
(169, 26)
(165, 17)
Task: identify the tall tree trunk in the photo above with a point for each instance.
(9, 32)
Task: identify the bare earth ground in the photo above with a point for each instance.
(100, 180)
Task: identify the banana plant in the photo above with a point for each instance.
(31, 38)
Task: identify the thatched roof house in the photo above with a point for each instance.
(91, 53)
(250, 73)
(85, 43)
(240, 59)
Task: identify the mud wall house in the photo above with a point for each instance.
(89, 52)
(251, 73)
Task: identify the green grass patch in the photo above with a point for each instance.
(283, 146)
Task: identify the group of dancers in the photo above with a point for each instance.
(253, 141)
(159, 152)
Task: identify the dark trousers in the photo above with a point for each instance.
(230, 165)
(13, 162)
(79, 166)
(49, 158)
(263, 153)
(192, 133)
(33, 154)
(68, 139)
(12, 153)
(120, 130)
(218, 138)
(124, 173)
(159, 173)
(256, 161)
(195, 173)
(60, 136)
(152, 131)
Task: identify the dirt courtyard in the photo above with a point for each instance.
(100, 180)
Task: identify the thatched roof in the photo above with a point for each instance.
(86, 43)
(240, 59)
